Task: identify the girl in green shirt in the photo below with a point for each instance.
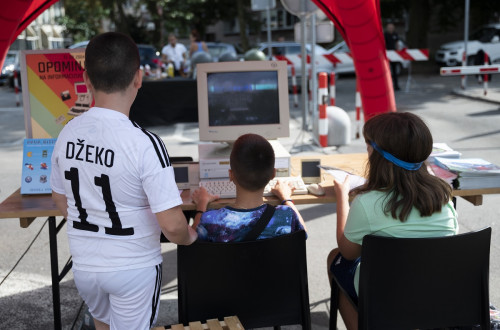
(399, 199)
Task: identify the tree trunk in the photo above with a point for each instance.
(156, 15)
(419, 24)
(243, 24)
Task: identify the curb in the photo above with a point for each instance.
(477, 94)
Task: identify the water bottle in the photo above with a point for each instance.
(170, 70)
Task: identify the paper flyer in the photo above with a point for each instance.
(36, 166)
(340, 175)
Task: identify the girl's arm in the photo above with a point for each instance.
(348, 249)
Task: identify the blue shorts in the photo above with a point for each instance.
(344, 271)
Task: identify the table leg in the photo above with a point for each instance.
(54, 269)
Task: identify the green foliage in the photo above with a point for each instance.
(83, 18)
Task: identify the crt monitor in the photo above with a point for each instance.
(236, 98)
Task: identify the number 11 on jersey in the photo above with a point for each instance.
(103, 182)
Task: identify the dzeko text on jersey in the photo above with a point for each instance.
(89, 153)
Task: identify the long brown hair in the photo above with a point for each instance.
(405, 136)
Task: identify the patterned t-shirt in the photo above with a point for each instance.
(232, 225)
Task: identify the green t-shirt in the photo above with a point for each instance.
(366, 216)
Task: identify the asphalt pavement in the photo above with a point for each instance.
(467, 120)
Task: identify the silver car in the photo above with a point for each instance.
(348, 66)
(292, 51)
(487, 39)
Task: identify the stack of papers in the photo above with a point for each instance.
(440, 172)
(473, 173)
(442, 150)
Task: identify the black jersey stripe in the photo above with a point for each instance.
(163, 148)
(156, 294)
(158, 152)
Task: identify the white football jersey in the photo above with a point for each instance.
(115, 176)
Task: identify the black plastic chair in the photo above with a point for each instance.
(422, 283)
(262, 282)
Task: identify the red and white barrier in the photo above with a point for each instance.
(358, 111)
(322, 88)
(485, 77)
(468, 70)
(462, 81)
(408, 55)
(322, 101)
(332, 88)
(336, 58)
(309, 92)
(294, 87)
(16, 88)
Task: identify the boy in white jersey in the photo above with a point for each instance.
(114, 183)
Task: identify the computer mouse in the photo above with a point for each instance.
(316, 189)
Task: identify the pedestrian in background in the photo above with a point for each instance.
(392, 43)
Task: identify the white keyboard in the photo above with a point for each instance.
(226, 189)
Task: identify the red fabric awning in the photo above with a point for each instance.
(15, 16)
(357, 20)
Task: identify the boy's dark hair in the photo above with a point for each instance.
(252, 161)
(407, 137)
(111, 61)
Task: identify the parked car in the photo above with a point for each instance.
(216, 49)
(342, 47)
(81, 44)
(287, 48)
(10, 65)
(486, 38)
(148, 54)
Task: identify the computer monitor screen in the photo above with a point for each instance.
(235, 98)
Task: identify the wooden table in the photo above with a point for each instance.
(29, 207)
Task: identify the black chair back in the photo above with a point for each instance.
(262, 282)
(422, 283)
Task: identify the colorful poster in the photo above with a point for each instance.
(37, 166)
(53, 90)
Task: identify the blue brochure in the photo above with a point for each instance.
(37, 166)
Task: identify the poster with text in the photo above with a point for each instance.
(35, 175)
(53, 90)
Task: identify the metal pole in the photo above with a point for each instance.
(303, 87)
(268, 18)
(466, 37)
(314, 78)
(54, 271)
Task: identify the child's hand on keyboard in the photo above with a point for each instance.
(201, 197)
(282, 190)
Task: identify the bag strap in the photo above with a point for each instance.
(261, 224)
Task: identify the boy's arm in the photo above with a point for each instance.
(284, 193)
(294, 208)
(201, 198)
(174, 226)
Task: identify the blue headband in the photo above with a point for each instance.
(396, 161)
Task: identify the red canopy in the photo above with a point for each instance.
(358, 21)
(15, 17)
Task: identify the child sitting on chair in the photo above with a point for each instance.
(399, 199)
(252, 167)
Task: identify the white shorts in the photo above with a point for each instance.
(127, 299)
